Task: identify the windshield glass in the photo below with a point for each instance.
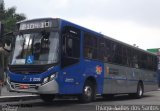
(36, 48)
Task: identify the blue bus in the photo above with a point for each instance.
(52, 57)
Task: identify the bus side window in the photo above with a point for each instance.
(90, 46)
(70, 46)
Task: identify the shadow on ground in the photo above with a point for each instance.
(75, 102)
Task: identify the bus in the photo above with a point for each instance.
(53, 57)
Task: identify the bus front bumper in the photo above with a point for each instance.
(48, 88)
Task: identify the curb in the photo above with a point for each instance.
(18, 98)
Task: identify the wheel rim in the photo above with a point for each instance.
(88, 91)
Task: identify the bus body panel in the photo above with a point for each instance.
(121, 79)
(51, 87)
(34, 82)
(115, 80)
(31, 78)
(73, 80)
(96, 70)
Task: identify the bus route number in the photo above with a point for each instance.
(35, 79)
(34, 25)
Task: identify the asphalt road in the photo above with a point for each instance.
(150, 100)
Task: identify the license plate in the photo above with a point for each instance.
(23, 86)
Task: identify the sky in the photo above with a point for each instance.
(130, 21)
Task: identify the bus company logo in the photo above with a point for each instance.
(98, 69)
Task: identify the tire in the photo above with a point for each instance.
(89, 93)
(139, 93)
(140, 90)
(108, 96)
(47, 97)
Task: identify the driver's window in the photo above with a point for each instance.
(70, 46)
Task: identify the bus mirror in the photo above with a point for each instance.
(7, 45)
(8, 41)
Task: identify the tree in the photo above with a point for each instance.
(9, 17)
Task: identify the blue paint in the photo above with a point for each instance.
(26, 78)
(81, 71)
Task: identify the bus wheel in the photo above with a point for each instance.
(47, 97)
(88, 93)
(140, 91)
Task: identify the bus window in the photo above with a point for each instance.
(118, 54)
(124, 56)
(102, 52)
(113, 52)
(135, 59)
(129, 59)
(90, 46)
(70, 46)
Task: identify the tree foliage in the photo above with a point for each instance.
(9, 17)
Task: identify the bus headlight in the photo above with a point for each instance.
(45, 80)
(51, 77)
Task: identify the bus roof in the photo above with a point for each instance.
(36, 19)
(89, 31)
(107, 37)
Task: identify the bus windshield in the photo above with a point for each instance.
(36, 48)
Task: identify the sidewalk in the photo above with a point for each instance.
(7, 96)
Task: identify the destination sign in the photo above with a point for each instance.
(35, 25)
